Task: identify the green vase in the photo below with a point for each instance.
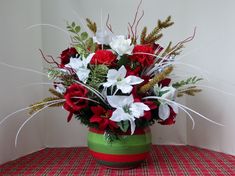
(128, 152)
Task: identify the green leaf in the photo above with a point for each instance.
(123, 60)
(90, 45)
(84, 35)
(93, 48)
(80, 49)
(71, 30)
(77, 38)
(89, 42)
(124, 125)
(77, 29)
(73, 24)
(79, 46)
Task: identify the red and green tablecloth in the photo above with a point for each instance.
(163, 160)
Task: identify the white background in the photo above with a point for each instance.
(211, 50)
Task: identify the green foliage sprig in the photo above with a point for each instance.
(165, 24)
(84, 116)
(124, 125)
(82, 42)
(97, 76)
(192, 90)
(53, 73)
(110, 136)
(191, 80)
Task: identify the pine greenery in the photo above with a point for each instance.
(97, 76)
(191, 90)
(53, 73)
(191, 80)
(110, 136)
(155, 34)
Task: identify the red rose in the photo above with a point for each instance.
(143, 59)
(103, 57)
(101, 116)
(66, 55)
(73, 102)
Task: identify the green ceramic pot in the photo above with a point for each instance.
(128, 152)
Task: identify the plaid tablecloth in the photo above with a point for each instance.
(163, 160)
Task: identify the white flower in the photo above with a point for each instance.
(121, 45)
(79, 65)
(126, 109)
(103, 37)
(117, 78)
(169, 94)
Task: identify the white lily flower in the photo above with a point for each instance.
(126, 109)
(103, 37)
(117, 78)
(169, 94)
(121, 45)
(79, 65)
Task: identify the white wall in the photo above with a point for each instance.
(215, 43)
(58, 131)
(19, 47)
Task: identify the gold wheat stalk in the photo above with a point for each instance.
(158, 77)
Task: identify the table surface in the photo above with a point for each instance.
(163, 160)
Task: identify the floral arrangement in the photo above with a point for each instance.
(117, 83)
